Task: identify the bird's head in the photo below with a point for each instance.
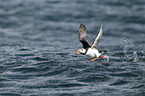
(81, 51)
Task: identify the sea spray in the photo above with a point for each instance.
(129, 51)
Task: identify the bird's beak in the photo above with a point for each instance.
(78, 52)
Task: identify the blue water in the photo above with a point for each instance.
(39, 40)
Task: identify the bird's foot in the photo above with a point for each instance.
(102, 56)
(97, 58)
(94, 59)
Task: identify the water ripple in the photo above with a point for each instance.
(39, 43)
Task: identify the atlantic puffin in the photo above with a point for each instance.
(89, 50)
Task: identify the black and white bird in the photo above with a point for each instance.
(89, 50)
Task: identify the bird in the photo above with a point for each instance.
(88, 49)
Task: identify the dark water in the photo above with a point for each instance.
(39, 40)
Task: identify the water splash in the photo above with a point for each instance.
(107, 58)
(135, 56)
(130, 51)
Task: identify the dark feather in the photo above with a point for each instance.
(85, 44)
(83, 36)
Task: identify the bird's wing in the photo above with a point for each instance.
(97, 39)
(83, 36)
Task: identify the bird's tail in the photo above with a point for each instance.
(102, 51)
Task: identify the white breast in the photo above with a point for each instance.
(93, 52)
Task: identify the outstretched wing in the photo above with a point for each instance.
(83, 36)
(97, 39)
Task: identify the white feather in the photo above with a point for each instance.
(93, 52)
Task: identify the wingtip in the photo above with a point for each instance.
(82, 25)
(101, 28)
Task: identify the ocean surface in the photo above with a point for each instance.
(39, 41)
